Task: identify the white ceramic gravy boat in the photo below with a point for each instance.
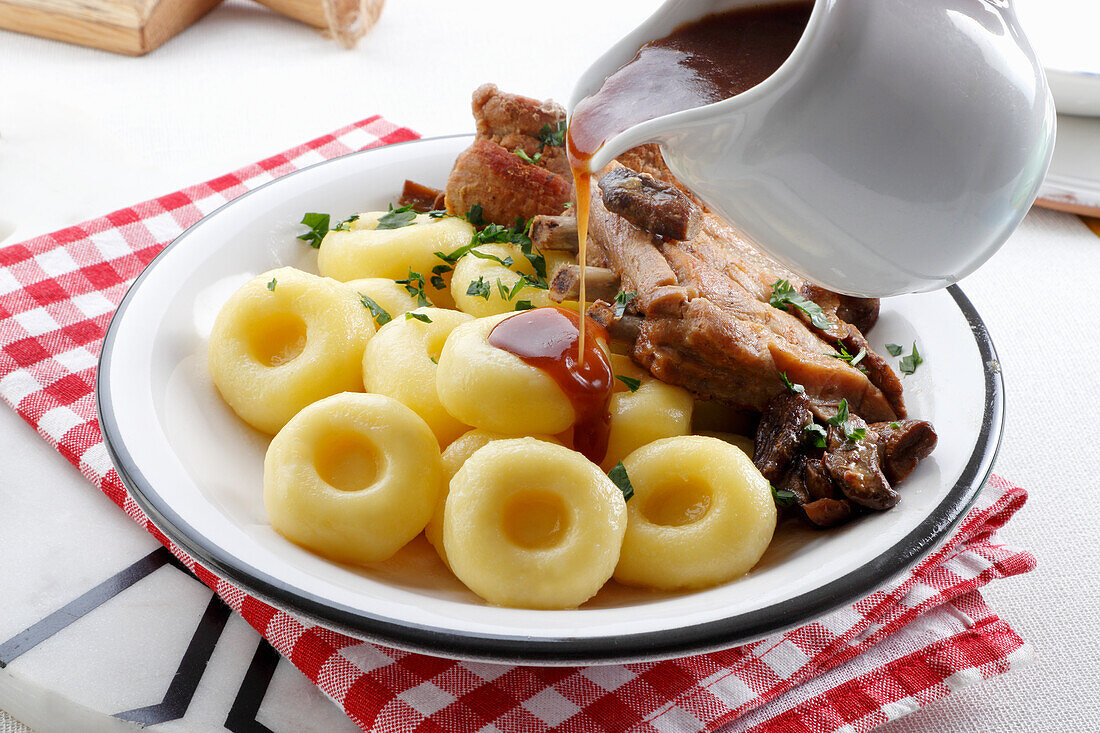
(894, 151)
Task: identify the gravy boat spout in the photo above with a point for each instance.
(894, 151)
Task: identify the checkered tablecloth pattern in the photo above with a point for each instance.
(905, 645)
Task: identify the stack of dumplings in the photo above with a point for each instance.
(393, 415)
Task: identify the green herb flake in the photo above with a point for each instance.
(857, 434)
(518, 286)
(523, 305)
(631, 383)
(791, 386)
(783, 498)
(479, 288)
(381, 317)
(895, 426)
(619, 478)
(522, 155)
(438, 214)
(909, 364)
(414, 286)
(318, 228)
(622, 300)
(271, 285)
(438, 272)
(894, 349)
(816, 435)
(474, 216)
(784, 294)
(434, 360)
(841, 415)
(345, 225)
(507, 261)
(410, 315)
(397, 218)
(553, 136)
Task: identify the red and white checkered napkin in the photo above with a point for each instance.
(902, 647)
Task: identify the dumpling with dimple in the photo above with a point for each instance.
(286, 339)
(352, 477)
(532, 524)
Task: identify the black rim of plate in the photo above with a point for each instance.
(674, 642)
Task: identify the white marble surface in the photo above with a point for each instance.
(84, 132)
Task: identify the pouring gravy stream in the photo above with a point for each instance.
(699, 63)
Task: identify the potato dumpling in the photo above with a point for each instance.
(483, 287)
(352, 477)
(364, 251)
(532, 524)
(653, 411)
(453, 458)
(701, 514)
(398, 362)
(285, 339)
(390, 296)
(493, 389)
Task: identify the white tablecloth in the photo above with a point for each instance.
(84, 132)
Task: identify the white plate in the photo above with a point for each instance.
(195, 468)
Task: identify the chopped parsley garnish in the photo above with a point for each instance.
(783, 295)
(631, 383)
(791, 386)
(507, 261)
(841, 415)
(522, 154)
(437, 214)
(783, 497)
(410, 315)
(434, 360)
(345, 225)
(473, 215)
(895, 425)
(523, 305)
(414, 285)
(318, 228)
(622, 300)
(397, 218)
(271, 285)
(894, 349)
(840, 420)
(553, 136)
(479, 288)
(437, 276)
(619, 478)
(844, 354)
(816, 435)
(518, 286)
(381, 317)
(909, 364)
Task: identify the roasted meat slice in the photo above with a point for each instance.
(505, 185)
(779, 436)
(657, 207)
(420, 197)
(517, 122)
(903, 444)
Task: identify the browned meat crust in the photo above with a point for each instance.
(648, 159)
(420, 197)
(903, 444)
(781, 433)
(514, 121)
(505, 185)
(657, 207)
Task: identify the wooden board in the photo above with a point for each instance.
(133, 27)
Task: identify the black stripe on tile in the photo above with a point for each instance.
(83, 605)
(190, 670)
(253, 689)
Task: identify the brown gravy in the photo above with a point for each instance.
(549, 338)
(702, 62)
